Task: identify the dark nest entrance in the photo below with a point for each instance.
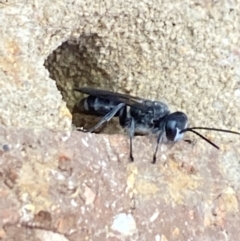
(80, 62)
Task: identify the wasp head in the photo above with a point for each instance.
(175, 123)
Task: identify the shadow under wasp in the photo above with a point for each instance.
(138, 116)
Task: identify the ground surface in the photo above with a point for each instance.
(84, 188)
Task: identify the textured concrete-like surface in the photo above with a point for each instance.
(185, 52)
(85, 187)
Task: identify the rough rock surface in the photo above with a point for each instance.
(85, 188)
(58, 186)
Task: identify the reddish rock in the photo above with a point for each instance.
(85, 187)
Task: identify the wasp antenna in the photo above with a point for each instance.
(210, 129)
(198, 134)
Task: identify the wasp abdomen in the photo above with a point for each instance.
(96, 106)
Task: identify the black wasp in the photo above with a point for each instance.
(138, 116)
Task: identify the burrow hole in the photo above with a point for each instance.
(80, 62)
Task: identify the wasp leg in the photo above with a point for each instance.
(131, 131)
(159, 139)
(105, 119)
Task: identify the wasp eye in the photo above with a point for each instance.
(176, 122)
(171, 130)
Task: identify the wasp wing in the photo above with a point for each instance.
(129, 100)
